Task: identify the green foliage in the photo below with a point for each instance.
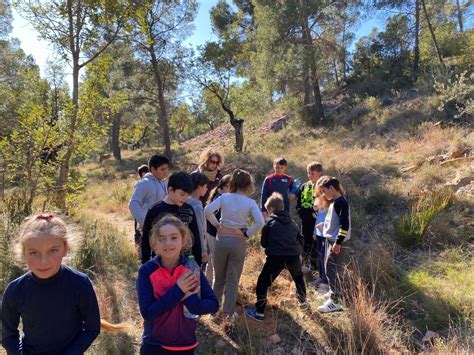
(103, 248)
(12, 213)
(456, 94)
(121, 194)
(444, 289)
(411, 230)
(382, 59)
(20, 84)
(28, 152)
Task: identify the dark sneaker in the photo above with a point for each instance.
(252, 313)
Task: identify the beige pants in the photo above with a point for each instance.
(229, 256)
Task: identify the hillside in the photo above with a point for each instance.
(388, 157)
(393, 156)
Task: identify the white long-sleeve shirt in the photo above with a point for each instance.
(235, 211)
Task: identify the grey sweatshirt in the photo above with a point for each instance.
(148, 191)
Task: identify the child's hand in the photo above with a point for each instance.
(187, 282)
(320, 226)
(204, 258)
(336, 248)
(315, 237)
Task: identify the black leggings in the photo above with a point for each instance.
(274, 265)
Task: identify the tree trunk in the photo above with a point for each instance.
(306, 83)
(459, 15)
(61, 186)
(416, 60)
(115, 136)
(435, 43)
(318, 101)
(162, 116)
(344, 51)
(336, 76)
(237, 123)
(318, 114)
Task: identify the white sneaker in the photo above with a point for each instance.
(306, 269)
(329, 306)
(327, 295)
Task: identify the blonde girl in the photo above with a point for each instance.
(336, 230)
(164, 286)
(56, 304)
(232, 234)
(321, 205)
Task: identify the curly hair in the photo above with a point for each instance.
(207, 155)
(169, 219)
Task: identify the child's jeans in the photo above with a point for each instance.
(274, 265)
(320, 250)
(333, 269)
(307, 228)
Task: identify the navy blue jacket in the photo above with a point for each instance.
(60, 315)
(161, 305)
(276, 183)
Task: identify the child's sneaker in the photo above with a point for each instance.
(304, 306)
(329, 306)
(252, 313)
(317, 282)
(327, 295)
(322, 288)
(306, 269)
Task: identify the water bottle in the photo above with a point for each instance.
(296, 185)
(194, 267)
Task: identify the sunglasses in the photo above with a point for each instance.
(214, 162)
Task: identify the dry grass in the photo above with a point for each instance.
(375, 283)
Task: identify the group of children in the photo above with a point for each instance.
(176, 217)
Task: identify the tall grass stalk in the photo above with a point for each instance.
(410, 231)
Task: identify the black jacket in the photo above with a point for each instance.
(281, 236)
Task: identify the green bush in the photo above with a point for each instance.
(12, 213)
(410, 231)
(103, 247)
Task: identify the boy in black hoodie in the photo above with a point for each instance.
(283, 245)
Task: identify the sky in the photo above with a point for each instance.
(41, 50)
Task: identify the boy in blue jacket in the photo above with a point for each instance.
(278, 182)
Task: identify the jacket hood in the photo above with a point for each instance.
(281, 216)
(149, 176)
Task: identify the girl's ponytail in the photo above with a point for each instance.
(116, 328)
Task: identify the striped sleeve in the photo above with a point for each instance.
(341, 207)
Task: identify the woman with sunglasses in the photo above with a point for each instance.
(210, 163)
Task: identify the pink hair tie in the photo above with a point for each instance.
(46, 217)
